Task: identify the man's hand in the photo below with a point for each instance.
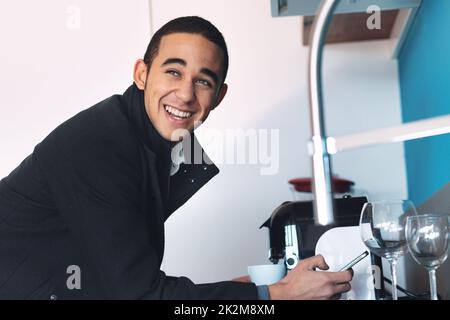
(242, 279)
(304, 283)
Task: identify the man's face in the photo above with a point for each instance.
(183, 83)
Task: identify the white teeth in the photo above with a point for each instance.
(177, 113)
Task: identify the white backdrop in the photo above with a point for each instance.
(59, 57)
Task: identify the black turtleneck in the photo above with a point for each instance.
(134, 101)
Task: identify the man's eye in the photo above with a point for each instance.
(173, 73)
(204, 83)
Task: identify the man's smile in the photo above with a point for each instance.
(177, 114)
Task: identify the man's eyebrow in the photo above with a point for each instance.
(174, 60)
(182, 62)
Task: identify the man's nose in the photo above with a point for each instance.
(186, 91)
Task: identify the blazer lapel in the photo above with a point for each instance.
(153, 204)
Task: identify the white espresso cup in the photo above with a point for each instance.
(266, 274)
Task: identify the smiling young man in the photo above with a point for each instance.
(184, 83)
(83, 216)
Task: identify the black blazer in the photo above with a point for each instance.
(89, 196)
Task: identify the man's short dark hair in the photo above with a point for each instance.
(191, 24)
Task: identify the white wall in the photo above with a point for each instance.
(51, 69)
(50, 72)
(215, 235)
(362, 93)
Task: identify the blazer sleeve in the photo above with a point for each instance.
(95, 181)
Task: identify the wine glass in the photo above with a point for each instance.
(382, 226)
(427, 236)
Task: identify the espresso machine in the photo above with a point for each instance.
(293, 235)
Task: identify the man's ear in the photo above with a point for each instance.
(140, 74)
(222, 92)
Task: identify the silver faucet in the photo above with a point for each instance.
(323, 193)
(321, 146)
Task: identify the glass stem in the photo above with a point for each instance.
(433, 288)
(393, 264)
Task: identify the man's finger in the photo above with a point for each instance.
(341, 277)
(316, 262)
(341, 288)
(336, 297)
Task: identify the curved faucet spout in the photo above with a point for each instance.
(323, 194)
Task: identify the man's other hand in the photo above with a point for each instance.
(242, 279)
(305, 283)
